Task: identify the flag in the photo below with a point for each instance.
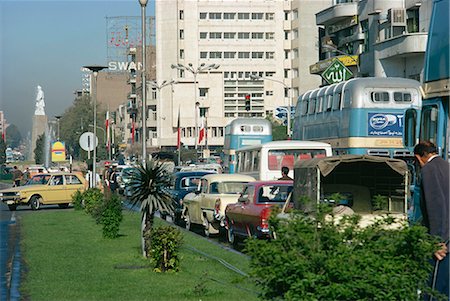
(107, 129)
(178, 130)
(132, 130)
(201, 134)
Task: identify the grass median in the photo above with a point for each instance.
(66, 258)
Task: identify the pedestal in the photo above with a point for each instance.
(39, 126)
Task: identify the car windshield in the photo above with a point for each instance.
(39, 180)
(227, 187)
(274, 193)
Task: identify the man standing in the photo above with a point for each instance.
(113, 185)
(16, 176)
(285, 174)
(435, 207)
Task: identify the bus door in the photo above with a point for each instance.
(434, 125)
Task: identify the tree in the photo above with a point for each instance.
(149, 190)
(13, 136)
(39, 151)
(279, 131)
(2, 151)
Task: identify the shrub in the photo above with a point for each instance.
(93, 202)
(166, 242)
(317, 259)
(111, 217)
(77, 200)
(380, 202)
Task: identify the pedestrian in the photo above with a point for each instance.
(113, 185)
(435, 208)
(285, 174)
(16, 176)
(26, 175)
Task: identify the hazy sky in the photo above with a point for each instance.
(46, 43)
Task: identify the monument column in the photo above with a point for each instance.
(39, 120)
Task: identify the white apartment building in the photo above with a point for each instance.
(274, 40)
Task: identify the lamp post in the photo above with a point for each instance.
(154, 84)
(95, 69)
(100, 128)
(288, 130)
(202, 68)
(57, 123)
(331, 48)
(143, 4)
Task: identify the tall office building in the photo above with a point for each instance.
(270, 39)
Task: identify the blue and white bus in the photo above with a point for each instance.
(242, 132)
(359, 116)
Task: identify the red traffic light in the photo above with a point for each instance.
(247, 97)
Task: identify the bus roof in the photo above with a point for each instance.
(248, 121)
(288, 144)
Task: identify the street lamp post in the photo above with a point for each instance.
(288, 130)
(100, 128)
(57, 123)
(331, 48)
(143, 4)
(95, 69)
(202, 68)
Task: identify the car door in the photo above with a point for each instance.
(239, 210)
(72, 185)
(55, 191)
(196, 203)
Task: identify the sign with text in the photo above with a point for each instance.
(385, 124)
(58, 151)
(336, 72)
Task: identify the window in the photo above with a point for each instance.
(203, 54)
(380, 96)
(243, 16)
(286, 73)
(269, 93)
(181, 53)
(243, 55)
(270, 55)
(229, 35)
(269, 74)
(294, 14)
(203, 35)
(312, 106)
(243, 35)
(337, 101)
(286, 35)
(72, 180)
(270, 16)
(295, 53)
(181, 34)
(258, 35)
(365, 31)
(229, 16)
(257, 55)
(203, 16)
(286, 15)
(295, 34)
(286, 54)
(270, 35)
(203, 92)
(229, 55)
(215, 55)
(215, 35)
(257, 16)
(215, 16)
(305, 107)
(181, 14)
(402, 97)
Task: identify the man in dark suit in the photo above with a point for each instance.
(435, 206)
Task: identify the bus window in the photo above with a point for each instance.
(429, 123)
(258, 128)
(288, 161)
(304, 156)
(347, 99)
(329, 100)
(319, 104)
(312, 106)
(402, 97)
(380, 96)
(337, 101)
(255, 160)
(410, 128)
(273, 162)
(305, 107)
(245, 128)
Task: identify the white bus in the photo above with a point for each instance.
(264, 161)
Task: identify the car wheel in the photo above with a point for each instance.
(12, 207)
(35, 202)
(207, 228)
(187, 221)
(63, 206)
(230, 234)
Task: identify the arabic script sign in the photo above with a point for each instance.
(336, 72)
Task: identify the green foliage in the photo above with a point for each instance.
(13, 136)
(166, 242)
(322, 259)
(2, 151)
(93, 203)
(39, 151)
(77, 200)
(380, 202)
(111, 217)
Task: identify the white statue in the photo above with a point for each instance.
(40, 104)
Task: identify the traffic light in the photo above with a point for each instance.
(247, 102)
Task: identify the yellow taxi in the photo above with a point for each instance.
(44, 189)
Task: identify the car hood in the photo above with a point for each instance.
(23, 188)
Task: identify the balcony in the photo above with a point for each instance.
(337, 13)
(132, 79)
(402, 45)
(132, 95)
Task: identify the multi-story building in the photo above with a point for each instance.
(274, 41)
(375, 37)
(2, 125)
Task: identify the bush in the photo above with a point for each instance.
(166, 242)
(77, 200)
(93, 202)
(111, 217)
(318, 259)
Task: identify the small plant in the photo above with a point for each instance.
(166, 242)
(380, 202)
(93, 202)
(111, 217)
(77, 200)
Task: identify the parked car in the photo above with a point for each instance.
(184, 182)
(249, 217)
(124, 175)
(55, 188)
(206, 206)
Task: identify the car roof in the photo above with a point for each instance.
(194, 173)
(273, 182)
(228, 177)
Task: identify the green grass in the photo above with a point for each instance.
(66, 258)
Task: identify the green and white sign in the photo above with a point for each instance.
(336, 72)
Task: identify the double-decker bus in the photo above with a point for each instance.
(359, 116)
(242, 132)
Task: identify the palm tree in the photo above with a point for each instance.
(149, 188)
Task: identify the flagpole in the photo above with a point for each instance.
(179, 137)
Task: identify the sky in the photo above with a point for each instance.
(46, 43)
